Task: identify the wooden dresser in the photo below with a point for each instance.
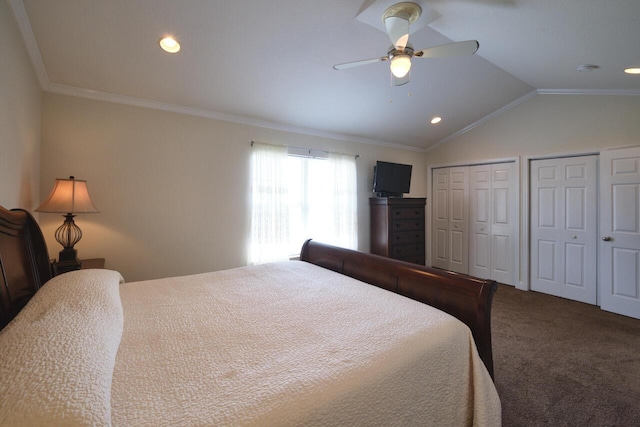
(397, 228)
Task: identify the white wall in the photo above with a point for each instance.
(20, 100)
(548, 124)
(172, 189)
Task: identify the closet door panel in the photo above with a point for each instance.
(440, 219)
(459, 219)
(492, 222)
(563, 227)
(480, 217)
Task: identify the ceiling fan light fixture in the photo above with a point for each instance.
(632, 70)
(169, 44)
(400, 65)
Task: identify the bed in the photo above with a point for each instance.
(306, 342)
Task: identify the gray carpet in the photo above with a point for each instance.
(563, 363)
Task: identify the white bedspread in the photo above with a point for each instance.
(282, 344)
(292, 344)
(57, 356)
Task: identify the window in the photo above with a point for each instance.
(296, 196)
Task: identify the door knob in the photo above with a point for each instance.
(607, 239)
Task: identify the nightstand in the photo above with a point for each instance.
(91, 263)
(59, 268)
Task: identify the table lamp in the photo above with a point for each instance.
(69, 197)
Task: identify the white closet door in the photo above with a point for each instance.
(493, 222)
(619, 245)
(440, 219)
(450, 219)
(563, 227)
(480, 221)
(459, 219)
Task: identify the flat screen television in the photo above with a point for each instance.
(391, 179)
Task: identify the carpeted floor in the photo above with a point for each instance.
(563, 363)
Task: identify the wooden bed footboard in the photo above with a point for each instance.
(467, 298)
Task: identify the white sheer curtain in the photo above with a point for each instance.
(296, 198)
(270, 220)
(344, 226)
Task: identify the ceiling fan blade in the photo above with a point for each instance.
(465, 48)
(398, 30)
(358, 63)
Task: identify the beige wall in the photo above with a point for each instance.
(548, 124)
(172, 189)
(20, 100)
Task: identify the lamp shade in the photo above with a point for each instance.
(400, 65)
(68, 196)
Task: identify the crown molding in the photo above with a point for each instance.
(46, 85)
(616, 92)
(198, 112)
(33, 51)
(526, 97)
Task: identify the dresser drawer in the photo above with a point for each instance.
(397, 228)
(407, 237)
(407, 225)
(407, 213)
(407, 251)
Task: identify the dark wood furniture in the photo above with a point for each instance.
(92, 263)
(61, 267)
(24, 262)
(464, 297)
(24, 265)
(397, 228)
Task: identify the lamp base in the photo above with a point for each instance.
(69, 255)
(68, 261)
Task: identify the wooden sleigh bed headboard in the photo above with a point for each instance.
(24, 261)
(24, 268)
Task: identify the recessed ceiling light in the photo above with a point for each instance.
(169, 44)
(632, 70)
(436, 120)
(588, 67)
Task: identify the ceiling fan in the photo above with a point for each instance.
(397, 19)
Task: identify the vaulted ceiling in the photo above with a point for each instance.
(269, 63)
